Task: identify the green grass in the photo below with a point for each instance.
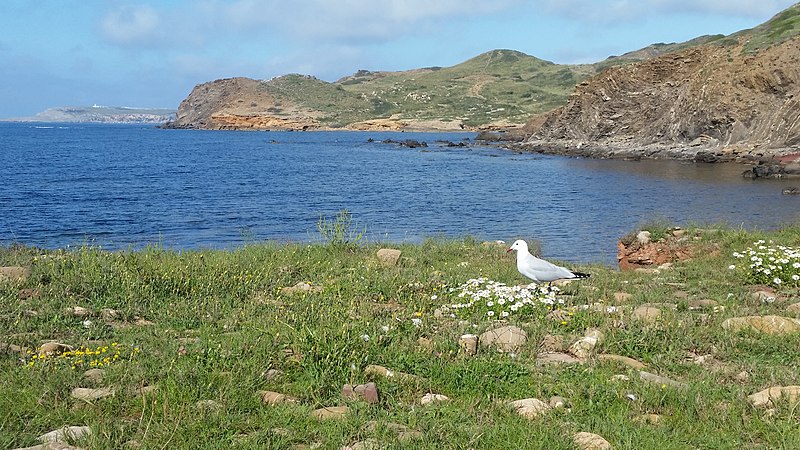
(220, 320)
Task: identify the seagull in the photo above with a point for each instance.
(539, 270)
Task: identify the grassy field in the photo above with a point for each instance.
(186, 340)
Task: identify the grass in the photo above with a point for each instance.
(209, 325)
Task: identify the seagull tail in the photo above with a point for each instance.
(581, 275)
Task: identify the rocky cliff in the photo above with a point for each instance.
(734, 99)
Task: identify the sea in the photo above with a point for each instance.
(129, 186)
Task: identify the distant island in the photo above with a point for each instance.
(100, 114)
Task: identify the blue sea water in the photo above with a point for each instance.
(127, 185)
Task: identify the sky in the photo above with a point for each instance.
(151, 53)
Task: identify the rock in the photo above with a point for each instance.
(109, 314)
(630, 362)
(67, 433)
(276, 398)
(54, 348)
(620, 378)
(468, 343)
(302, 288)
(643, 237)
(791, 191)
(373, 371)
(389, 256)
(648, 419)
(433, 398)
(557, 402)
(590, 441)
(331, 412)
(794, 308)
(94, 375)
(367, 392)
(646, 314)
(678, 233)
(366, 444)
(551, 343)
(662, 381)
(765, 294)
(647, 270)
(774, 325)
(622, 297)
(636, 255)
(89, 394)
(768, 396)
(584, 347)
(14, 274)
(77, 311)
(505, 339)
(530, 408)
(547, 359)
(742, 377)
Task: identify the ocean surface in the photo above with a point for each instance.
(122, 186)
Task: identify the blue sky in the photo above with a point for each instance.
(152, 53)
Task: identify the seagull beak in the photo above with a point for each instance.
(509, 250)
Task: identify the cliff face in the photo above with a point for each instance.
(239, 103)
(719, 99)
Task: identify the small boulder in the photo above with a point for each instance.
(67, 433)
(429, 398)
(14, 274)
(302, 287)
(89, 395)
(53, 348)
(773, 325)
(389, 256)
(276, 398)
(630, 362)
(94, 375)
(504, 339)
(556, 358)
(584, 347)
(768, 396)
(330, 412)
(590, 441)
(646, 314)
(367, 392)
(662, 381)
(530, 408)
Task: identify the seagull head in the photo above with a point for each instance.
(518, 245)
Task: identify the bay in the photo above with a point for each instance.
(119, 186)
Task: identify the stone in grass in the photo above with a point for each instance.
(330, 412)
(773, 325)
(584, 347)
(530, 408)
(648, 419)
(77, 311)
(94, 375)
(54, 348)
(590, 441)
(768, 396)
(794, 308)
(662, 381)
(14, 274)
(556, 358)
(430, 398)
(403, 432)
(276, 398)
(389, 256)
(380, 371)
(302, 287)
(89, 395)
(367, 392)
(646, 314)
(505, 339)
(51, 446)
(66, 433)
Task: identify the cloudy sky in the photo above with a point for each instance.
(151, 53)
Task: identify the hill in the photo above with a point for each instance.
(101, 114)
(731, 98)
(495, 89)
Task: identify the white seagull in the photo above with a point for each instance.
(539, 270)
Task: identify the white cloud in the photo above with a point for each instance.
(132, 25)
(610, 11)
(346, 19)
